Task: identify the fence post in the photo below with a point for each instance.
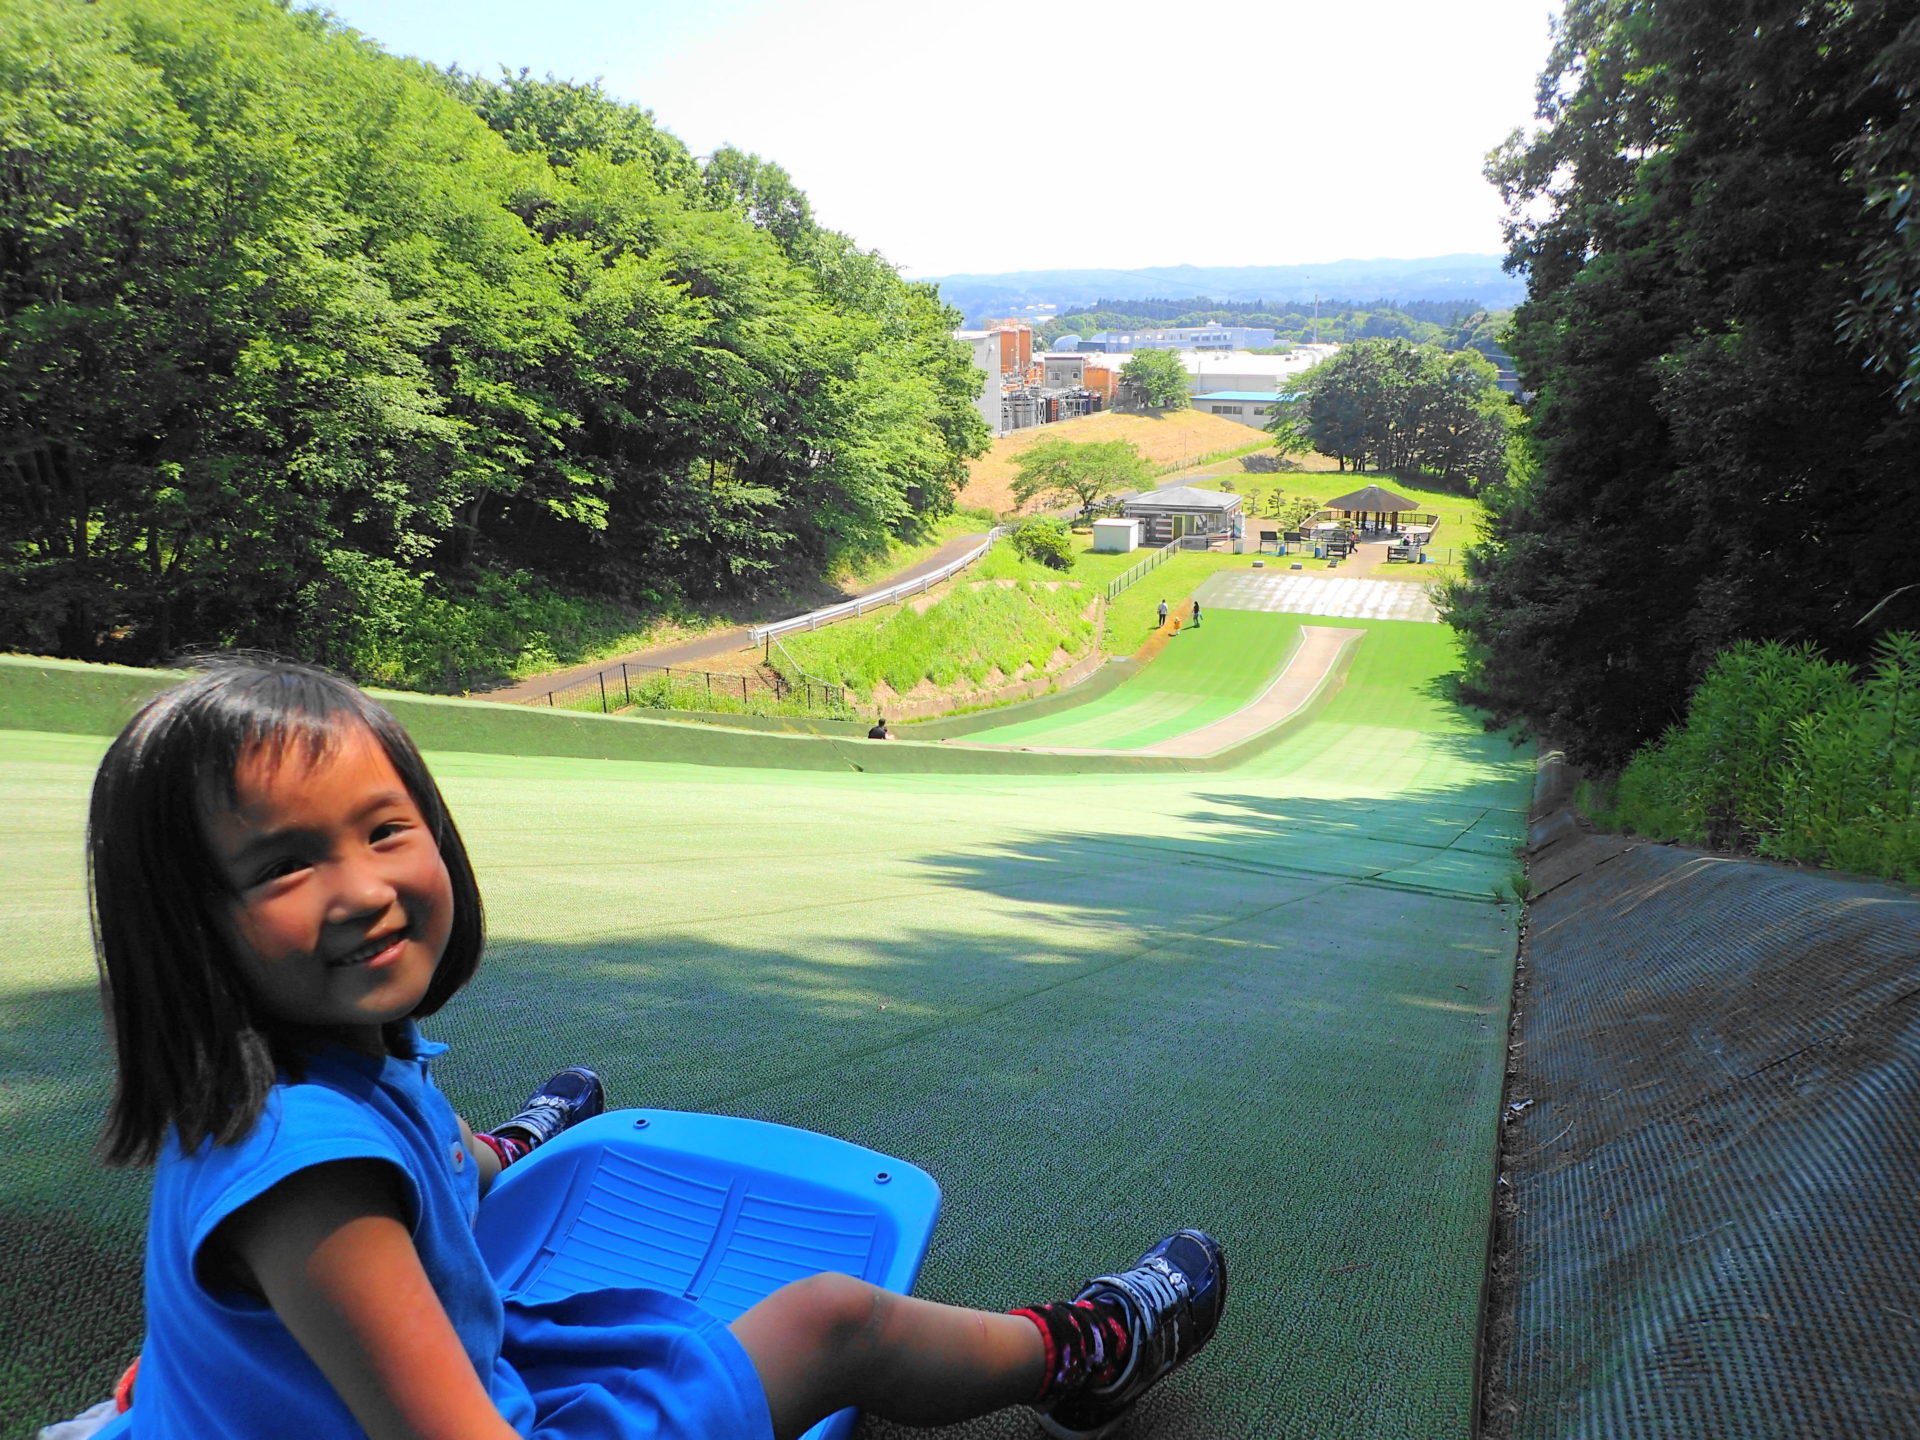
(550, 699)
(743, 689)
(709, 675)
(602, 678)
(625, 688)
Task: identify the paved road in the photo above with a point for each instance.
(717, 642)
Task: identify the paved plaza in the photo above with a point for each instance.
(1296, 593)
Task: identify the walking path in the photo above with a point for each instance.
(705, 647)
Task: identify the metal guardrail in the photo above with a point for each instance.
(893, 594)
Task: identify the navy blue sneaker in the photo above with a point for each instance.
(1173, 1300)
(575, 1094)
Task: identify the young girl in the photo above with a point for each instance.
(279, 896)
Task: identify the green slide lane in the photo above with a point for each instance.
(1268, 1000)
(1201, 676)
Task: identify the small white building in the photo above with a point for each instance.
(1116, 537)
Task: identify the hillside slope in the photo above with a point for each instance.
(1176, 438)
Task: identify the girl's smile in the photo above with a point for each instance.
(341, 902)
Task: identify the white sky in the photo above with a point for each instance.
(960, 136)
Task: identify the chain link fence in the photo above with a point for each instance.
(672, 687)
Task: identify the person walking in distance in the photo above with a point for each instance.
(1163, 612)
(1196, 614)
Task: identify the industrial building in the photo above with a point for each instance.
(1212, 336)
(1249, 407)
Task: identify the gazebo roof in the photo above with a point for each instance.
(1371, 498)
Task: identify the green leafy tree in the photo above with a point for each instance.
(1407, 408)
(1703, 211)
(1084, 471)
(1158, 378)
(309, 347)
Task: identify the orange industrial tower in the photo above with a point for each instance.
(1016, 345)
(1101, 379)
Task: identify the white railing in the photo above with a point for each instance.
(892, 595)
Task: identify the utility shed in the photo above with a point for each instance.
(1116, 537)
(1182, 510)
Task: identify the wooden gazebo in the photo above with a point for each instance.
(1371, 503)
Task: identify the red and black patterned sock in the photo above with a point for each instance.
(508, 1147)
(1087, 1342)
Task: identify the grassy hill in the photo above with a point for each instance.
(1172, 441)
(977, 633)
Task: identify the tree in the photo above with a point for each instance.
(1884, 317)
(1085, 471)
(1702, 213)
(1411, 409)
(312, 348)
(1158, 378)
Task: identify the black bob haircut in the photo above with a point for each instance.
(191, 1051)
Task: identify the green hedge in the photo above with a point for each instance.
(1792, 756)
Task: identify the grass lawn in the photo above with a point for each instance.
(1134, 613)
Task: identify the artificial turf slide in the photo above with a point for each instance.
(1267, 1000)
(1201, 676)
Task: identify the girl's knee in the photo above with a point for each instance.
(839, 1310)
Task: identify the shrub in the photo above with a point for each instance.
(1791, 755)
(1048, 541)
(385, 625)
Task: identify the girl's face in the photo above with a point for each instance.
(341, 903)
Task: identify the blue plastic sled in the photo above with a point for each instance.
(721, 1210)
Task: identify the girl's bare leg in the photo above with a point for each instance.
(830, 1341)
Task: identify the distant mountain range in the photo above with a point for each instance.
(1440, 277)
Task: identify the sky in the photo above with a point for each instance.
(956, 136)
